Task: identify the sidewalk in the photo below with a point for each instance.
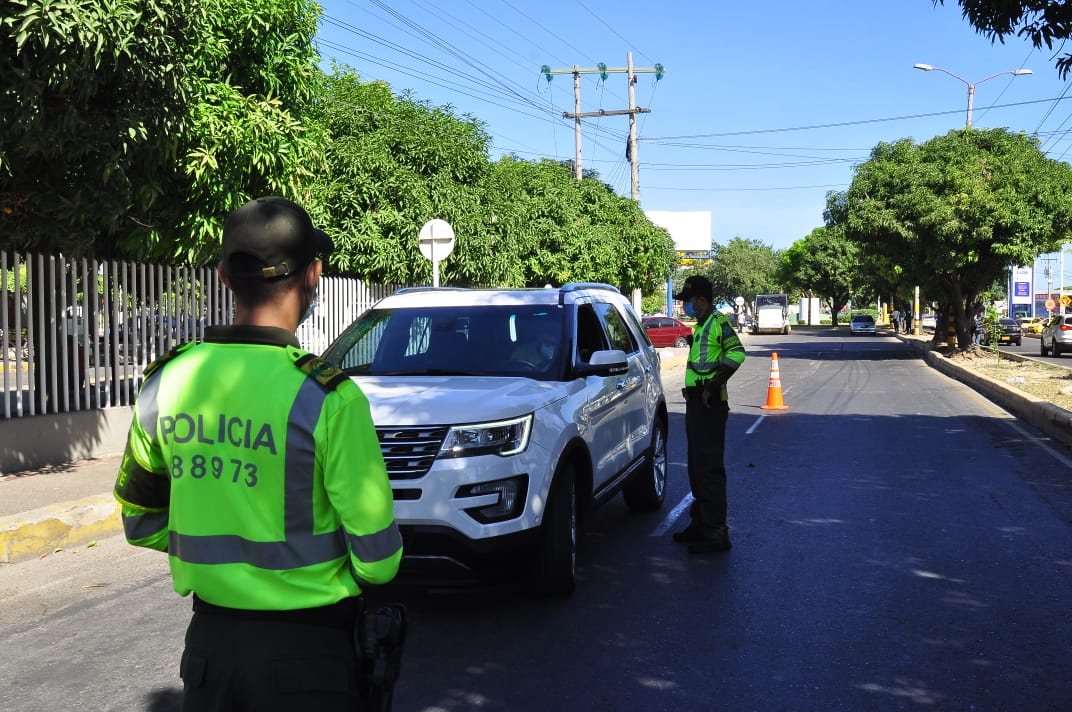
(70, 505)
(57, 507)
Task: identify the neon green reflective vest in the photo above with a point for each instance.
(714, 344)
(256, 467)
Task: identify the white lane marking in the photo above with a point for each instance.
(672, 516)
(1038, 442)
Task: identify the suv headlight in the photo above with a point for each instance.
(503, 437)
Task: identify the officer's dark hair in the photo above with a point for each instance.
(252, 291)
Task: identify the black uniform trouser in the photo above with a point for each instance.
(271, 661)
(705, 429)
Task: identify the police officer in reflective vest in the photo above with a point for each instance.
(256, 467)
(715, 354)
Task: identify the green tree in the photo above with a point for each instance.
(824, 264)
(395, 163)
(91, 90)
(130, 128)
(743, 268)
(957, 211)
(1044, 22)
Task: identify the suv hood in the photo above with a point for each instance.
(444, 400)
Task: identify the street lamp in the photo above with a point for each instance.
(971, 87)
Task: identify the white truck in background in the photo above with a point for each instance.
(771, 314)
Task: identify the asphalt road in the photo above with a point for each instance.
(899, 543)
(1029, 346)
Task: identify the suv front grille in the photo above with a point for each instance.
(409, 452)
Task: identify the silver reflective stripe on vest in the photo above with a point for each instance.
(702, 365)
(297, 551)
(376, 547)
(141, 526)
(301, 458)
(301, 547)
(148, 407)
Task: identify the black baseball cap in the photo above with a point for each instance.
(695, 285)
(276, 237)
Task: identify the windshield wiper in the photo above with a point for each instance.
(430, 372)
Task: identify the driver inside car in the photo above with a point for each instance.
(536, 344)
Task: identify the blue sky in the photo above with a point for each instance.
(763, 108)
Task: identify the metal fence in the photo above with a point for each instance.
(77, 334)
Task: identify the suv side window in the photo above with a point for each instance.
(590, 336)
(637, 328)
(620, 337)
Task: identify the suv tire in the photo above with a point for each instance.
(646, 490)
(1056, 349)
(557, 554)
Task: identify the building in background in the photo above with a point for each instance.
(691, 233)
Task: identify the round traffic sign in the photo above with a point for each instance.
(1050, 304)
(436, 239)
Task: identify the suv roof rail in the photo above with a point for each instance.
(411, 290)
(575, 286)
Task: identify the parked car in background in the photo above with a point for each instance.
(1057, 335)
(667, 331)
(1032, 324)
(927, 322)
(1009, 334)
(862, 324)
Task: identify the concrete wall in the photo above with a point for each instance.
(42, 440)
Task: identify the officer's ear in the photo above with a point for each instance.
(223, 275)
(312, 274)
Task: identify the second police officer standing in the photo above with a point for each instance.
(257, 468)
(715, 354)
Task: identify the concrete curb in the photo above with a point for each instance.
(42, 531)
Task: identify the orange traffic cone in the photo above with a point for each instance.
(774, 388)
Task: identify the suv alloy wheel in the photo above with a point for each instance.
(646, 491)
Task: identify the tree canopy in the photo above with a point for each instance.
(825, 264)
(1044, 22)
(394, 163)
(743, 268)
(131, 127)
(957, 211)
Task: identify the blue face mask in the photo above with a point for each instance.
(310, 309)
(689, 311)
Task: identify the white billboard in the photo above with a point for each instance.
(690, 229)
(1021, 292)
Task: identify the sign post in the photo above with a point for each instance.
(436, 241)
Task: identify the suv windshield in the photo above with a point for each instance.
(483, 340)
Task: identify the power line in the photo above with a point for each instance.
(839, 124)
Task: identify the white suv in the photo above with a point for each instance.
(504, 415)
(1057, 335)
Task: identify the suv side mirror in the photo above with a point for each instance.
(603, 363)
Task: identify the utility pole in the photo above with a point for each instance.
(604, 71)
